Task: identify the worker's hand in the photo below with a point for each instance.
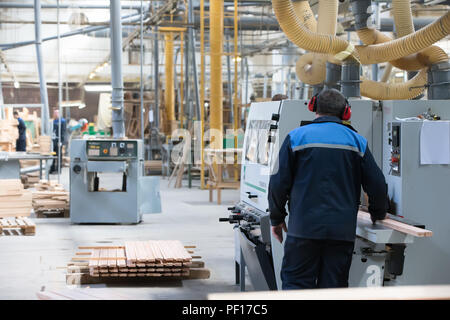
(278, 231)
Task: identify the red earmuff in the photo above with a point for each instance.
(312, 104)
(347, 114)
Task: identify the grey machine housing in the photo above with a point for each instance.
(95, 161)
(382, 256)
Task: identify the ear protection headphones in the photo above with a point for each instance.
(346, 114)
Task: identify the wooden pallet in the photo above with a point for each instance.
(10, 225)
(53, 213)
(135, 262)
(50, 200)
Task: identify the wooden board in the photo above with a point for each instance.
(397, 225)
(432, 292)
(137, 259)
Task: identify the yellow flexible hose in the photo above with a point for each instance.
(370, 54)
(397, 91)
(387, 73)
(305, 14)
(424, 58)
(403, 21)
(311, 67)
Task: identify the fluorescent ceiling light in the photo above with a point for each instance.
(98, 87)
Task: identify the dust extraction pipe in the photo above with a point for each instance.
(428, 57)
(118, 122)
(216, 95)
(400, 91)
(371, 54)
(311, 67)
(404, 27)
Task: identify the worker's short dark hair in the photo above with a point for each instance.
(279, 97)
(15, 113)
(331, 102)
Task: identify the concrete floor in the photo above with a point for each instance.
(28, 263)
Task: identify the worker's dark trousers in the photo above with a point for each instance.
(54, 167)
(21, 145)
(310, 263)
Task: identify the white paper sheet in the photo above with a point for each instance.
(435, 142)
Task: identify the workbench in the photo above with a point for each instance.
(219, 159)
(10, 163)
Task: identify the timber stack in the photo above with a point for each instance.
(15, 201)
(8, 135)
(136, 259)
(45, 145)
(50, 199)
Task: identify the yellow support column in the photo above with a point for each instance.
(169, 93)
(216, 44)
(181, 79)
(235, 98)
(202, 91)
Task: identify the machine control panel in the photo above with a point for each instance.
(395, 149)
(122, 149)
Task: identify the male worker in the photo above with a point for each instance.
(21, 142)
(55, 135)
(322, 167)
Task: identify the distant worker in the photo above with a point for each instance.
(55, 135)
(279, 97)
(21, 142)
(322, 166)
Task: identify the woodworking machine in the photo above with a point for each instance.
(382, 256)
(107, 182)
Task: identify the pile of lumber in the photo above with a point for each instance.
(50, 199)
(15, 201)
(49, 185)
(45, 145)
(9, 225)
(136, 259)
(8, 135)
(29, 179)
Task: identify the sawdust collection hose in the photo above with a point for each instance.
(311, 67)
(371, 89)
(371, 54)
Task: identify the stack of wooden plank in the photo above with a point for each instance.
(50, 198)
(49, 185)
(15, 201)
(45, 145)
(26, 226)
(29, 179)
(136, 259)
(141, 258)
(8, 135)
